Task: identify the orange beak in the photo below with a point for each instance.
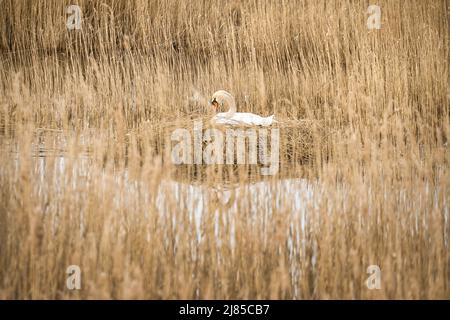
(214, 103)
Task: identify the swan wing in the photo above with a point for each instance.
(243, 118)
(223, 119)
(253, 119)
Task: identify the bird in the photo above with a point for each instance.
(233, 118)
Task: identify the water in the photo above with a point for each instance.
(188, 198)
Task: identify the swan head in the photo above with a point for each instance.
(214, 102)
(221, 98)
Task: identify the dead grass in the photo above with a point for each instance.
(84, 117)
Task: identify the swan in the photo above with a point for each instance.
(231, 117)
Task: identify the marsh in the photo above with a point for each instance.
(87, 178)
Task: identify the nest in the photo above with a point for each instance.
(300, 143)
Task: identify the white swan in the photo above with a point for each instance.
(232, 117)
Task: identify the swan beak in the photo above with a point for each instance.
(214, 103)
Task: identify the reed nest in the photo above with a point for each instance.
(301, 143)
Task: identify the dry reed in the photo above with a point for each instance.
(85, 180)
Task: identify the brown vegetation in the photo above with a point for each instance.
(84, 116)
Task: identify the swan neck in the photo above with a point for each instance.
(232, 106)
(232, 110)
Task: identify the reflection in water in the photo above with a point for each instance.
(201, 198)
(264, 198)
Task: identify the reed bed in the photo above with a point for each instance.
(85, 177)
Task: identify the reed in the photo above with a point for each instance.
(85, 118)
